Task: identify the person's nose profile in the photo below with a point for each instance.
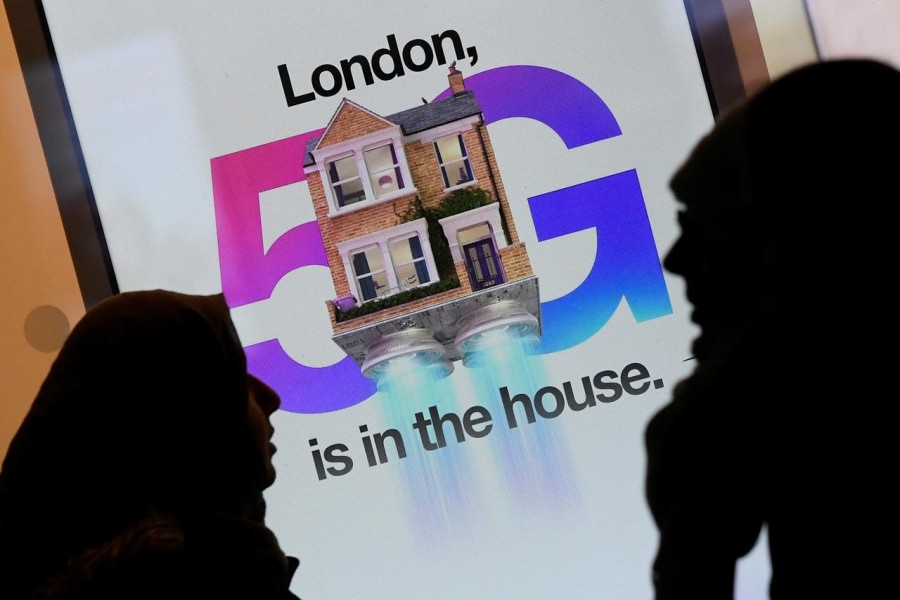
(267, 398)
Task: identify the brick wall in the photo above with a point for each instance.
(504, 203)
(425, 172)
(350, 225)
(423, 165)
(463, 276)
(427, 176)
(516, 263)
(352, 122)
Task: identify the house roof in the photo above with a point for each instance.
(364, 121)
(420, 118)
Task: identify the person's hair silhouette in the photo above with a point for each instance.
(786, 251)
(140, 468)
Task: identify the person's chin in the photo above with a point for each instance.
(270, 477)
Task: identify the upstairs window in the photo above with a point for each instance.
(454, 160)
(370, 174)
(384, 170)
(346, 183)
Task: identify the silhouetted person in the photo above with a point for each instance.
(787, 250)
(139, 471)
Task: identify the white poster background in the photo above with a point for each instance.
(159, 88)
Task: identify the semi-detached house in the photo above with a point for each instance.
(417, 228)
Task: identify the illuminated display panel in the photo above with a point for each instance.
(441, 241)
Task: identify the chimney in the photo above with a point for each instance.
(457, 83)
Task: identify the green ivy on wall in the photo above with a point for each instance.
(456, 202)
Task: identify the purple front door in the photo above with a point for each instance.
(483, 264)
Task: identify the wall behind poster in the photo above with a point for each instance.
(40, 295)
(160, 92)
(851, 29)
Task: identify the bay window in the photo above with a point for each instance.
(408, 258)
(366, 172)
(368, 269)
(388, 261)
(384, 170)
(346, 184)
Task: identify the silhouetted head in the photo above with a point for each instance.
(147, 407)
(786, 200)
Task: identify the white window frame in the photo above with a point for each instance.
(465, 160)
(357, 148)
(381, 238)
(356, 277)
(461, 126)
(395, 266)
(392, 169)
(331, 185)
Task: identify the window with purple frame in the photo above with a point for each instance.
(453, 160)
(384, 170)
(368, 269)
(345, 181)
(410, 266)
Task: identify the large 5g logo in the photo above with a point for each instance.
(626, 264)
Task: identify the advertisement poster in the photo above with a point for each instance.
(440, 229)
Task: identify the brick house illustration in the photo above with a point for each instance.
(422, 247)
